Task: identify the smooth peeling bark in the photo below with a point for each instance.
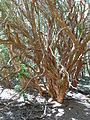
(62, 23)
(79, 65)
(8, 84)
(60, 92)
(60, 89)
(6, 80)
(74, 83)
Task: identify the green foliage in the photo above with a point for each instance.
(24, 96)
(22, 72)
(5, 6)
(17, 88)
(4, 52)
(79, 29)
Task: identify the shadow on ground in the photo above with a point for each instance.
(71, 109)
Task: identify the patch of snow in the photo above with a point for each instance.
(86, 109)
(50, 100)
(74, 119)
(87, 113)
(49, 115)
(40, 99)
(87, 95)
(78, 96)
(1, 118)
(53, 110)
(81, 79)
(69, 93)
(60, 112)
(21, 99)
(9, 113)
(56, 104)
(30, 97)
(8, 94)
(86, 86)
(85, 103)
(21, 104)
(82, 98)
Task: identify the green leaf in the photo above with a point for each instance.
(24, 96)
(79, 29)
(17, 87)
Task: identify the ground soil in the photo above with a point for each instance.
(71, 109)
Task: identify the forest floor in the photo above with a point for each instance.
(75, 106)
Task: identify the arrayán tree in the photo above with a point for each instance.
(46, 40)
